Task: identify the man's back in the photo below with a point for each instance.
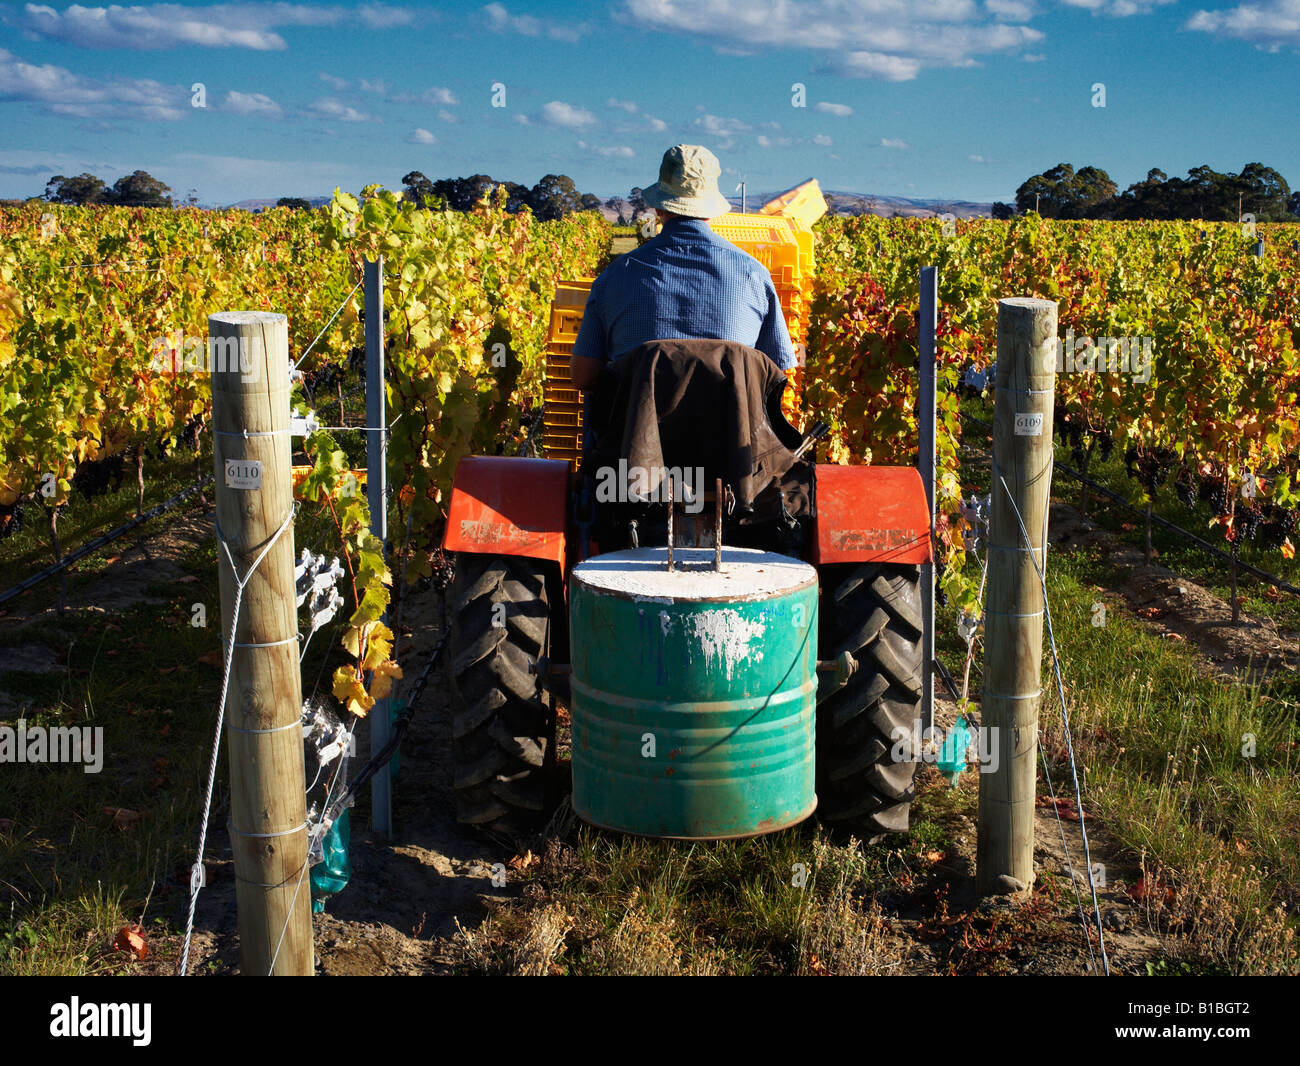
(685, 283)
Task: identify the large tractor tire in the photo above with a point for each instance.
(502, 731)
(872, 611)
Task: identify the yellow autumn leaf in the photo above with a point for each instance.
(352, 641)
(350, 692)
(382, 683)
(1288, 549)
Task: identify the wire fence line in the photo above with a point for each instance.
(106, 538)
(1164, 523)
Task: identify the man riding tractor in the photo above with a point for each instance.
(686, 282)
(681, 353)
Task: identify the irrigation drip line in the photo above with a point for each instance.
(1204, 545)
(385, 754)
(105, 538)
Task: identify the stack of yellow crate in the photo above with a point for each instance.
(780, 237)
(562, 421)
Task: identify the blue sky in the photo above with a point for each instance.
(957, 99)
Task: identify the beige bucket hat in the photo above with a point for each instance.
(688, 183)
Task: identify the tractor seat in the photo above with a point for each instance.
(699, 403)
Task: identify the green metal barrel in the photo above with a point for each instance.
(693, 692)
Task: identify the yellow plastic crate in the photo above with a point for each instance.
(562, 418)
(772, 240)
(804, 203)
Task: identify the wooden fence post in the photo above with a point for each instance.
(249, 359)
(1013, 616)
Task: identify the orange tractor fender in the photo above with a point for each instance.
(509, 506)
(871, 514)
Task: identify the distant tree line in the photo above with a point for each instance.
(139, 189)
(553, 197)
(1089, 192)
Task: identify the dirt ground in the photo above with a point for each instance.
(407, 895)
(1178, 607)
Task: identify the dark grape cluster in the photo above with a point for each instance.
(11, 518)
(1150, 469)
(323, 377)
(95, 477)
(444, 569)
(1216, 495)
(1245, 523)
(357, 361)
(1188, 486)
(1073, 429)
(1278, 524)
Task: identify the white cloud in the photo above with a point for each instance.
(719, 125)
(624, 105)
(329, 108)
(447, 116)
(657, 125)
(157, 26)
(879, 65)
(977, 159)
(1010, 10)
(893, 142)
(722, 130)
(822, 139)
(1118, 8)
(334, 81)
(838, 110)
(1033, 57)
(558, 113)
(618, 151)
(422, 136)
(61, 92)
(886, 39)
(523, 120)
(1268, 24)
(367, 86)
(383, 17)
(500, 20)
(437, 96)
(251, 104)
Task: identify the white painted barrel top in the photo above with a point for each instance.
(642, 574)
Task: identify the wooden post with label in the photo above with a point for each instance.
(248, 353)
(1013, 613)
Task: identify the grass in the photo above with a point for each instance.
(1194, 772)
(600, 903)
(70, 877)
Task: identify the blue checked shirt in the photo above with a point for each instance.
(687, 282)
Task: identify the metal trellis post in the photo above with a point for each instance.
(381, 788)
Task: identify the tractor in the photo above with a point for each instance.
(521, 528)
